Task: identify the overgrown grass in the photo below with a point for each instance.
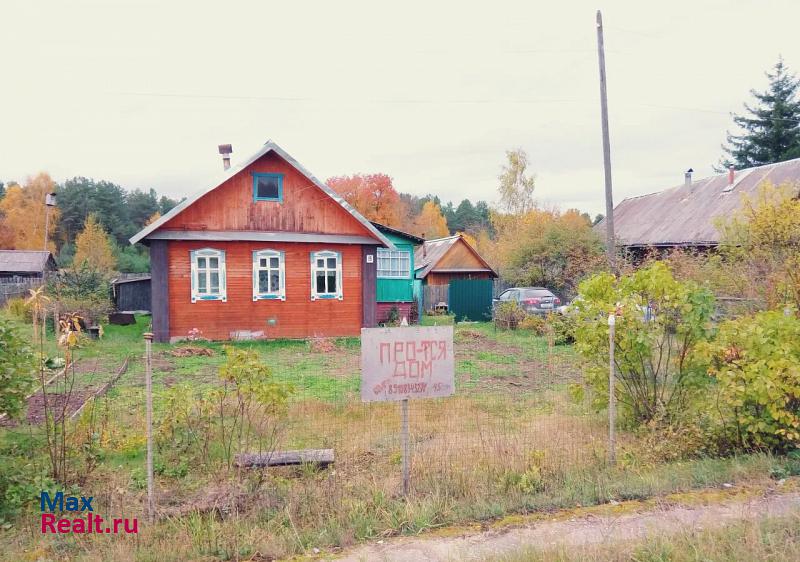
(510, 441)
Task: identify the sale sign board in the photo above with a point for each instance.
(406, 362)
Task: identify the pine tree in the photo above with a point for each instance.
(771, 130)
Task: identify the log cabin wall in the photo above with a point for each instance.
(296, 317)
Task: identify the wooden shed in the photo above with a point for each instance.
(131, 294)
(267, 251)
(452, 273)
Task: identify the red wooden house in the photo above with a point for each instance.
(267, 251)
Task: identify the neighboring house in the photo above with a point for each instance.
(131, 294)
(267, 250)
(686, 216)
(396, 275)
(453, 273)
(28, 264)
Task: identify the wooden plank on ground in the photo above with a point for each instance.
(321, 457)
(103, 389)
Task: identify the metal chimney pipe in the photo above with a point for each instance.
(731, 175)
(226, 150)
(687, 178)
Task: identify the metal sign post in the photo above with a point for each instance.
(148, 373)
(406, 452)
(398, 364)
(612, 399)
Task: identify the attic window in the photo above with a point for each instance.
(268, 187)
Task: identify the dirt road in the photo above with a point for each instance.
(581, 530)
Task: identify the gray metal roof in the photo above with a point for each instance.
(389, 230)
(26, 261)
(686, 215)
(428, 255)
(268, 146)
(260, 236)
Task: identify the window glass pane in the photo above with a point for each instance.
(201, 282)
(273, 262)
(332, 282)
(263, 262)
(274, 281)
(213, 263)
(267, 188)
(263, 279)
(201, 262)
(320, 263)
(321, 282)
(214, 282)
(331, 263)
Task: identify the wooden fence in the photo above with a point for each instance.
(16, 287)
(433, 295)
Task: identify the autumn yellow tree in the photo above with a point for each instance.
(93, 247)
(23, 209)
(430, 223)
(153, 218)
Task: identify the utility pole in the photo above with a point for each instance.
(610, 241)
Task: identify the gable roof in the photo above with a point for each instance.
(389, 230)
(26, 261)
(686, 215)
(432, 251)
(269, 146)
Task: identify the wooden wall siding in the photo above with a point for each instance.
(159, 289)
(404, 308)
(296, 317)
(434, 278)
(459, 257)
(305, 208)
(369, 286)
(134, 295)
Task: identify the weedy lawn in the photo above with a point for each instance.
(512, 440)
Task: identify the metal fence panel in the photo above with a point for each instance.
(471, 299)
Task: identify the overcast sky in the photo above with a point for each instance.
(431, 93)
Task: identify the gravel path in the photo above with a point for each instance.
(587, 530)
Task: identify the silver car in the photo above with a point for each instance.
(534, 300)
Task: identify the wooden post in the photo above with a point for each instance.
(406, 452)
(148, 371)
(612, 399)
(611, 253)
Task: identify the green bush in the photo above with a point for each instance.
(534, 323)
(562, 327)
(755, 361)
(660, 323)
(508, 315)
(85, 291)
(16, 370)
(18, 309)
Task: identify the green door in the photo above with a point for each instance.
(471, 299)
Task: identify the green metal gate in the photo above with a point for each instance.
(471, 299)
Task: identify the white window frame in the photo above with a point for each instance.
(326, 255)
(207, 253)
(399, 255)
(267, 254)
